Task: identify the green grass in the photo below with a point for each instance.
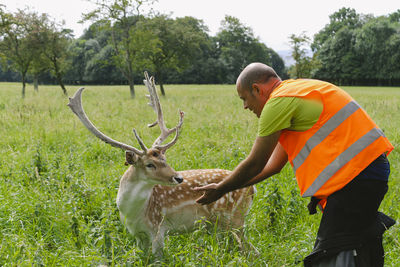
(58, 183)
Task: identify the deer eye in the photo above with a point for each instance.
(150, 165)
(155, 154)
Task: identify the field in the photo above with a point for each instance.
(58, 183)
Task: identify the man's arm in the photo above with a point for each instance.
(244, 172)
(274, 165)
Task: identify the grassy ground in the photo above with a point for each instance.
(58, 183)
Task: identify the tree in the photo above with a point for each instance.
(360, 50)
(53, 41)
(92, 58)
(334, 48)
(204, 67)
(40, 64)
(175, 43)
(395, 16)
(15, 47)
(99, 68)
(120, 17)
(278, 64)
(340, 62)
(377, 44)
(239, 47)
(77, 52)
(344, 17)
(303, 63)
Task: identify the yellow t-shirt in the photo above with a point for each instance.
(292, 113)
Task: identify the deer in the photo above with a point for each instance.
(153, 199)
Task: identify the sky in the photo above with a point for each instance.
(272, 21)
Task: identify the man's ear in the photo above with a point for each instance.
(130, 158)
(255, 88)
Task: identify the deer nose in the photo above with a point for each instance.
(178, 179)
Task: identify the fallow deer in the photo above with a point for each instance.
(154, 199)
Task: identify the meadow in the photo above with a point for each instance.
(58, 183)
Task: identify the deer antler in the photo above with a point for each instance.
(155, 104)
(75, 103)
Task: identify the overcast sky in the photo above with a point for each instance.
(271, 21)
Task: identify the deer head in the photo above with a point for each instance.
(150, 163)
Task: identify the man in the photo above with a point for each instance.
(338, 155)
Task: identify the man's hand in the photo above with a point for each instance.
(211, 194)
(244, 172)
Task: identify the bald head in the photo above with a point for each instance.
(255, 73)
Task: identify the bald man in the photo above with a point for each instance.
(338, 155)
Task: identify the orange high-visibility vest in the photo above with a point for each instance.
(342, 143)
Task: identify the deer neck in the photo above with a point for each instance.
(134, 193)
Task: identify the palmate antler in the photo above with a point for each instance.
(75, 103)
(154, 102)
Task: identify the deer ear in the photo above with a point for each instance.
(130, 158)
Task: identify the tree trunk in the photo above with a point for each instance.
(160, 82)
(60, 82)
(131, 87)
(23, 85)
(63, 89)
(127, 72)
(162, 88)
(36, 83)
(59, 77)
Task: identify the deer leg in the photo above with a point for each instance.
(158, 243)
(142, 240)
(158, 239)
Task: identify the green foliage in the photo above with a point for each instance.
(171, 44)
(377, 44)
(121, 42)
(53, 40)
(120, 18)
(357, 49)
(344, 17)
(40, 63)
(58, 183)
(34, 43)
(239, 47)
(177, 50)
(15, 40)
(304, 64)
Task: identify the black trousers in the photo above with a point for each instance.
(351, 222)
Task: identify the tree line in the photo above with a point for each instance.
(352, 49)
(121, 43)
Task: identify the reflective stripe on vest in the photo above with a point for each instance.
(343, 159)
(323, 132)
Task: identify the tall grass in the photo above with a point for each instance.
(58, 183)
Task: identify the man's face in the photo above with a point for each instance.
(252, 100)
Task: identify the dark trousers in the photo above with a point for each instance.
(351, 222)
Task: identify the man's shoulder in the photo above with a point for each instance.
(292, 82)
(299, 87)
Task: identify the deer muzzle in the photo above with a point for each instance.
(177, 179)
